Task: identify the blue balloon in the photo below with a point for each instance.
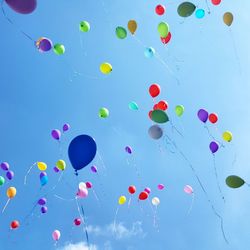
(149, 52)
(200, 13)
(81, 151)
(44, 180)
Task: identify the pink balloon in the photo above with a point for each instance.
(188, 189)
(89, 184)
(56, 235)
(148, 190)
(82, 193)
(161, 186)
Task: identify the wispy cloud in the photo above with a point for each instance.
(79, 246)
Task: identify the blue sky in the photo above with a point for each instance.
(40, 92)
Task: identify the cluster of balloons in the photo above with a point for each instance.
(8, 173)
(56, 133)
(121, 32)
(44, 44)
(42, 202)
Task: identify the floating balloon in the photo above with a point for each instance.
(56, 134)
(5, 166)
(105, 68)
(214, 146)
(56, 169)
(89, 184)
(94, 169)
(14, 224)
(163, 29)
(59, 49)
(61, 164)
(122, 199)
(227, 136)
(163, 105)
(155, 132)
(160, 9)
(234, 181)
(82, 193)
(131, 189)
(160, 186)
(56, 235)
(202, 115)
(155, 107)
(156, 201)
(2, 180)
(186, 9)
(228, 18)
(159, 116)
(179, 110)
(132, 26)
(154, 90)
(188, 189)
(148, 190)
(22, 7)
(166, 39)
(121, 32)
(77, 221)
(84, 26)
(150, 114)
(10, 175)
(149, 52)
(213, 118)
(216, 2)
(133, 106)
(11, 192)
(43, 178)
(44, 210)
(128, 149)
(42, 201)
(44, 44)
(66, 127)
(82, 185)
(81, 151)
(42, 166)
(200, 13)
(103, 112)
(143, 195)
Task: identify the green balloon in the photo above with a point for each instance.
(133, 106)
(84, 26)
(59, 49)
(179, 110)
(234, 181)
(103, 113)
(163, 29)
(159, 116)
(2, 180)
(61, 164)
(121, 32)
(186, 9)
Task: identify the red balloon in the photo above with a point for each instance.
(213, 118)
(155, 107)
(150, 114)
(14, 224)
(160, 9)
(216, 2)
(163, 105)
(154, 90)
(143, 195)
(132, 189)
(166, 39)
(77, 222)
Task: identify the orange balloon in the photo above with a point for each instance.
(132, 26)
(11, 192)
(228, 18)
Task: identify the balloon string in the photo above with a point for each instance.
(102, 162)
(169, 143)
(129, 201)
(63, 199)
(96, 197)
(191, 205)
(212, 137)
(115, 218)
(5, 206)
(209, 11)
(28, 172)
(174, 128)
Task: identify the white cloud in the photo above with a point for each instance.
(79, 246)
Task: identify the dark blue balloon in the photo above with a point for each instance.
(82, 151)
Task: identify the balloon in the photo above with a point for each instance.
(14, 224)
(56, 235)
(149, 52)
(166, 39)
(213, 118)
(10, 175)
(44, 44)
(94, 169)
(179, 110)
(44, 210)
(42, 201)
(77, 221)
(2, 180)
(188, 189)
(56, 134)
(66, 127)
(122, 200)
(227, 136)
(82, 185)
(103, 113)
(105, 68)
(56, 169)
(61, 165)
(42, 174)
(44, 180)
(150, 114)
(143, 195)
(82, 193)
(121, 32)
(128, 149)
(160, 9)
(159, 116)
(154, 90)
(234, 181)
(155, 201)
(41, 165)
(84, 26)
(200, 13)
(132, 26)
(148, 190)
(131, 189)
(214, 146)
(186, 9)
(59, 49)
(202, 115)
(155, 132)
(89, 184)
(11, 192)
(133, 106)
(5, 166)
(163, 29)
(163, 105)
(21, 6)
(81, 151)
(161, 186)
(155, 107)
(216, 2)
(228, 18)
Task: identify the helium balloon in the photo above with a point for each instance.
(216, 2)
(103, 113)
(154, 90)
(200, 13)
(163, 105)
(56, 235)
(42, 201)
(202, 115)
(82, 193)
(44, 180)
(163, 29)
(22, 7)
(59, 49)
(41, 166)
(155, 132)
(160, 186)
(10, 175)
(133, 106)
(155, 107)
(81, 151)
(155, 201)
(5, 166)
(166, 39)
(11, 192)
(2, 180)
(227, 136)
(84, 26)
(143, 195)
(56, 169)
(14, 224)
(82, 185)
(44, 44)
(66, 127)
(179, 110)
(121, 32)
(148, 190)
(94, 169)
(228, 18)
(105, 68)
(214, 146)
(122, 200)
(213, 118)
(160, 9)
(159, 116)
(132, 26)
(89, 184)
(150, 114)
(77, 221)
(149, 52)
(56, 134)
(234, 181)
(131, 189)
(44, 210)
(61, 164)
(128, 149)
(186, 9)
(188, 189)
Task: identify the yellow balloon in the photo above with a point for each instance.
(132, 26)
(41, 165)
(11, 192)
(228, 18)
(227, 136)
(61, 164)
(105, 68)
(122, 200)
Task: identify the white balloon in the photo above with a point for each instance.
(82, 185)
(155, 201)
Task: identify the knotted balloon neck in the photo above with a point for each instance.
(76, 173)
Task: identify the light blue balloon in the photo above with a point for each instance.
(44, 180)
(133, 106)
(200, 13)
(149, 52)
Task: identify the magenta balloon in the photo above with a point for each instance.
(88, 184)
(94, 169)
(22, 6)
(128, 149)
(202, 115)
(214, 146)
(66, 127)
(10, 175)
(5, 166)
(56, 134)
(160, 186)
(148, 190)
(42, 201)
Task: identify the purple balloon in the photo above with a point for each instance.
(5, 166)
(45, 45)
(202, 115)
(56, 134)
(22, 6)
(44, 209)
(128, 149)
(94, 169)
(10, 175)
(66, 127)
(214, 146)
(56, 169)
(42, 174)
(42, 201)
